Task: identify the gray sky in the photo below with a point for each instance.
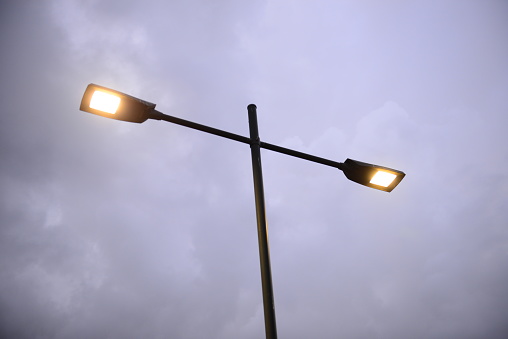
(118, 230)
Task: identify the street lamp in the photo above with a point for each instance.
(117, 105)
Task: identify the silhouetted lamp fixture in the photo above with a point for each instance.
(117, 105)
(381, 178)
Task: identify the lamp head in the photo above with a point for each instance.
(378, 177)
(115, 105)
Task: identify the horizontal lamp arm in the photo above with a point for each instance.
(161, 116)
(156, 115)
(301, 155)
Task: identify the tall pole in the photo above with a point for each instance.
(264, 250)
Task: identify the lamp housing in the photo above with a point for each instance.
(113, 104)
(378, 177)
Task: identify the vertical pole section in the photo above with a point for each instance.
(264, 251)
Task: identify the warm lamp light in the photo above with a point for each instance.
(383, 178)
(112, 104)
(378, 177)
(105, 102)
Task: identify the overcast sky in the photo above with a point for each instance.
(117, 230)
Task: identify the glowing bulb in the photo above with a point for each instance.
(105, 102)
(382, 178)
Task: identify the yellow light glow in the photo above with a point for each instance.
(383, 178)
(105, 102)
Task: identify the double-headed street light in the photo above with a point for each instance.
(116, 105)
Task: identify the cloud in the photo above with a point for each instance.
(119, 230)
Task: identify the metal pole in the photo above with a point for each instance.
(264, 250)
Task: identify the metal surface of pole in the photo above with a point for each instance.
(264, 250)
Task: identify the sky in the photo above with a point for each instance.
(111, 229)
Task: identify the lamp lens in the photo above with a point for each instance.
(105, 102)
(382, 178)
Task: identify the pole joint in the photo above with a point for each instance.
(255, 142)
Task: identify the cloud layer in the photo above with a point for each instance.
(118, 230)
